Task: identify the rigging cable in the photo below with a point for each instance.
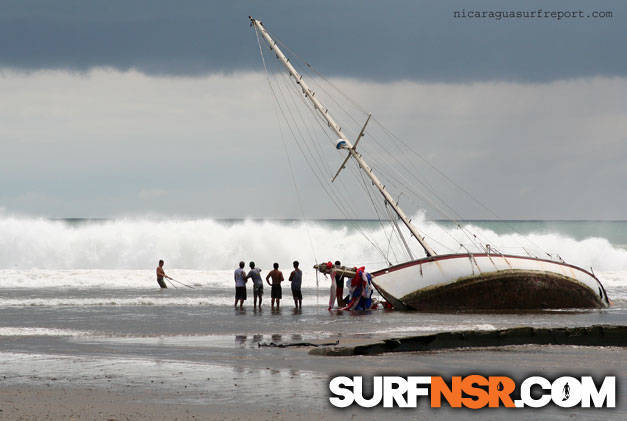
(321, 158)
(354, 171)
(471, 236)
(322, 184)
(358, 174)
(399, 140)
(289, 160)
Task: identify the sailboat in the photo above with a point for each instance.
(488, 280)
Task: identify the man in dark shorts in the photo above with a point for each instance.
(339, 281)
(161, 274)
(277, 278)
(240, 285)
(296, 279)
(255, 275)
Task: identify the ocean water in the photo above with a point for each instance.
(66, 265)
(79, 301)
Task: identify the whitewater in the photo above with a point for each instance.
(123, 253)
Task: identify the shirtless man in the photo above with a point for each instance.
(161, 274)
(277, 278)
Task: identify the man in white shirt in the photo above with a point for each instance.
(240, 285)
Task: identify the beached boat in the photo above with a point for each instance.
(489, 280)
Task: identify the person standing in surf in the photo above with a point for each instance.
(240, 285)
(277, 278)
(161, 274)
(332, 290)
(339, 281)
(255, 275)
(296, 279)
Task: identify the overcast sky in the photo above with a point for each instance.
(155, 107)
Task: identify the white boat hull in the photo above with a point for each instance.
(488, 282)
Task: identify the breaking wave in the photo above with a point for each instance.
(124, 252)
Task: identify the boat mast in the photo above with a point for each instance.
(344, 143)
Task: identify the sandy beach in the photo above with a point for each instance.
(291, 384)
(53, 402)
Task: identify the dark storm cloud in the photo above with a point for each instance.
(383, 40)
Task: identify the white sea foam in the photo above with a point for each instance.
(437, 328)
(40, 331)
(123, 253)
(106, 301)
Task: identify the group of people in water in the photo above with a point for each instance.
(273, 279)
(358, 298)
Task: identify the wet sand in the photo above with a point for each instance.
(255, 389)
(74, 403)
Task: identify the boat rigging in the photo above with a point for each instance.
(488, 279)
